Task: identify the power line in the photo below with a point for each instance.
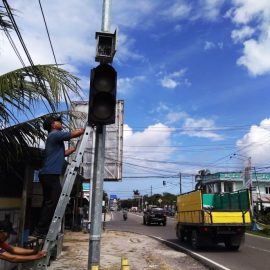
(35, 70)
(47, 32)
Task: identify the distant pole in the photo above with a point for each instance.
(180, 182)
(151, 191)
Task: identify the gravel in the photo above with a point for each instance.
(142, 253)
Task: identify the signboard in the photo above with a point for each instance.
(113, 143)
(113, 197)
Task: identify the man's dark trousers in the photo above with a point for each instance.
(51, 192)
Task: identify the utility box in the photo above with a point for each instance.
(106, 47)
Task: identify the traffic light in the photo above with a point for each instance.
(102, 97)
(164, 183)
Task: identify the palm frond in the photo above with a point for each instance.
(16, 142)
(4, 19)
(20, 89)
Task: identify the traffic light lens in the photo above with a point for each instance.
(103, 84)
(103, 106)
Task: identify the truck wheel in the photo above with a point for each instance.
(195, 241)
(232, 243)
(179, 234)
(164, 223)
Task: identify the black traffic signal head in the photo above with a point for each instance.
(102, 98)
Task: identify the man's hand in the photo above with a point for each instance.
(77, 132)
(42, 254)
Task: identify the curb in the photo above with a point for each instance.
(203, 260)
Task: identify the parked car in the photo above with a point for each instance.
(155, 215)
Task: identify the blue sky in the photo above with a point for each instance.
(194, 76)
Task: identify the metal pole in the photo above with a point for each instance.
(180, 183)
(96, 211)
(105, 26)
(91, 179)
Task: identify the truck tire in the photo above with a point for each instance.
(179, 233)
(164, 223)
(195, 240)
(233, 242)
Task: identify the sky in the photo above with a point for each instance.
(194, 76)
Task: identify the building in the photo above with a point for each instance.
(233, 181)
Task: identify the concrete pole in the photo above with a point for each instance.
(96, 211)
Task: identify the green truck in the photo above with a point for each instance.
(205, 218)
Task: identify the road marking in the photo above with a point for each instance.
(265, 250)
(194, 253)
(250, 234)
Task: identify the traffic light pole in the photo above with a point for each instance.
(96, 207)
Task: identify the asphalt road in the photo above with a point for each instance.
(254, 255)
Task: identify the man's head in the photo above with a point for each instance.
(5, 231)
(52, 122)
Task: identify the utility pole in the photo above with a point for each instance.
(96, 207)
(97, 117)
(151, 191)
(180, 182)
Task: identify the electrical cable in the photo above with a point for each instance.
(47, 32)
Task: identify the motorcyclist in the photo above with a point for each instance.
(125, 213)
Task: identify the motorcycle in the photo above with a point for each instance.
(125, 216)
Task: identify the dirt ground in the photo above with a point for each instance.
(142, 252)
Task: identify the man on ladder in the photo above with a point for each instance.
(49, 174)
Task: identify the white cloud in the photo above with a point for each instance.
(256, 56)
(140, 146)
(178, 10)
(239, 35)
(169, 83)
(256, 143)
(208, 45)
(209, 9)
(174, 79)
(124, 85)
(202, 128)
(173, 117)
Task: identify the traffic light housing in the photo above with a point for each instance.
(164, 183)
(102, 96)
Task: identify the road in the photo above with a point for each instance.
(254, 255)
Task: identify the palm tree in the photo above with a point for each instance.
(20, 92)
(4, 20)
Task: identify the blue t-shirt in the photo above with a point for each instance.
(55, 152)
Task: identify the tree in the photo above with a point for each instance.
(136, 192)
(20, 93)
(4, 20)
(200, 177)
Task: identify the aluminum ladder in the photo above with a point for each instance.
(70, 176)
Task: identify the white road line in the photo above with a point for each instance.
(261, 249)
(196, 254)
(250, 234)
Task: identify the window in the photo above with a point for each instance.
(267, 190)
